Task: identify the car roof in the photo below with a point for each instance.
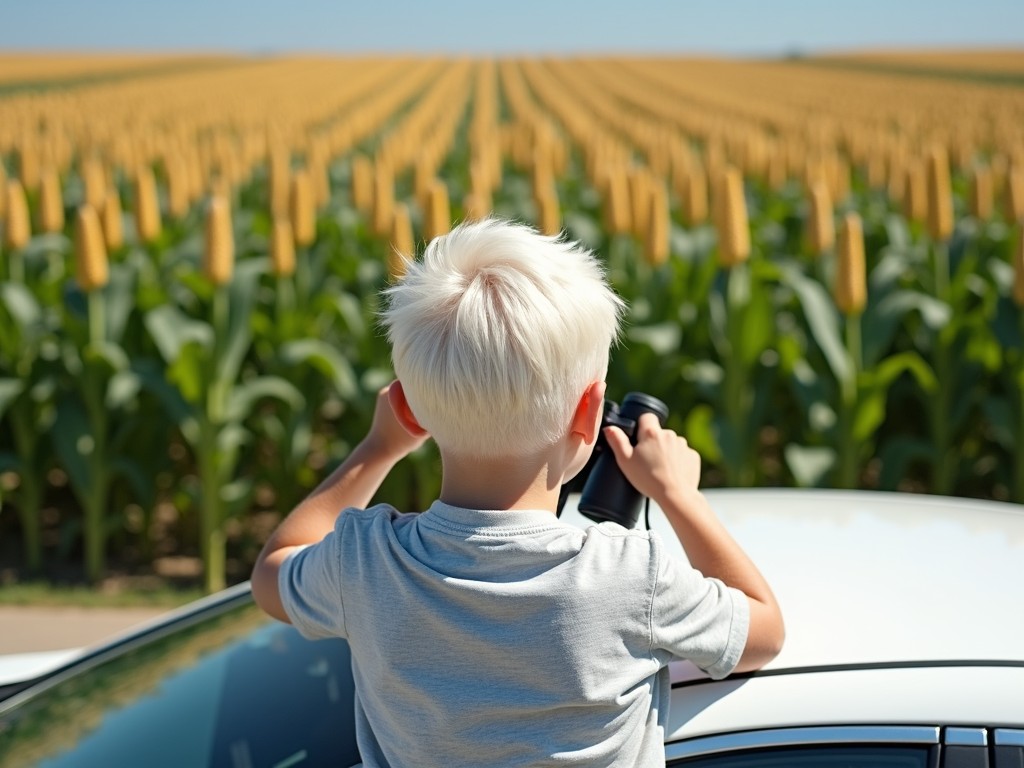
(868, 578)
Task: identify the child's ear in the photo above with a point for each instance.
(403, 413)
(586, 421)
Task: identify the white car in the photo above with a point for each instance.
(904, 647)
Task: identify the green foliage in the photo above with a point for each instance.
(161, 390)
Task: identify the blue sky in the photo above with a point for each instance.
(744, 27)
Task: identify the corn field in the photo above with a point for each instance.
(824, 266)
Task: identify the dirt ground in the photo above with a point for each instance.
(29, 629)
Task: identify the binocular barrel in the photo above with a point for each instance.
(607, 494)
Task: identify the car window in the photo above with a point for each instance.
(817, 756)
(237, 690)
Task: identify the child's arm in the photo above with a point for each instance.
(351, 485)
(662, 466)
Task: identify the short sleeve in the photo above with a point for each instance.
(309, 583)
(697, 618)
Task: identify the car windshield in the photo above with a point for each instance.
(232, 690)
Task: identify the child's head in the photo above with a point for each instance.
(496, 333)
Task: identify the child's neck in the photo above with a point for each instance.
(500, 483)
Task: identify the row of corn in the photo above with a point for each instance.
(332, 162)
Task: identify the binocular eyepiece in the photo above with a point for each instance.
(606, 493)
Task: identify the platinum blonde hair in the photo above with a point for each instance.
(495, 335)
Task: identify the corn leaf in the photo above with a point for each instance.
(245, 396)
(73, 442)
(1001, 418)
(239, 331)
(874, 391)
(325, 359)
(1006, 325)
(21, 305)
(188, 372)
(699, 431)
(171, 329)
(119, 295)
(143, 486)
(822, 319)
(153, 380)
(662, 338)
(881, 321)
(898, 454)
(9, 391)
(122, 389)
(809, 464)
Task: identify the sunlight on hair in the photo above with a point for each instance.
(496, 333)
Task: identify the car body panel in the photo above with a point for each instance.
(19, 667)
(875, 578)
(900, 611)
(987, 695)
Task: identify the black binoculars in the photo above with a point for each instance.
(606, 493)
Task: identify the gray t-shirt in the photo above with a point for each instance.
(509, 638)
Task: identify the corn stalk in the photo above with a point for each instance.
(96, 417)
(27, 387)
(847, 407)
(205, 393)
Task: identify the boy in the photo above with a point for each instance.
(484, 631)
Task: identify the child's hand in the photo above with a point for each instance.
(387, 436)
(661, 465)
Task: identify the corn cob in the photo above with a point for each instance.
(915, 198)
(695, 196)
(3, 190)
(51, 202)
(383, 200)
(476, 206)
(178, 193)
(1015, 193)
(980, 203)
(640, 200)
(851, 279)
(897, 185)
(940, 196)
(731, 219)
(94, 180)
(317, 165)
(437, 220)
(28, 166)
(279, 181)
(91, 270)
(219, 253)
(362, 183)
(549, 214)
(113, 226)
(423, 177)
(658, 226)
(17, 227)
(821, 228)
(282, 247)
(301, 211)
(147, 206)
(777, 171)
(402, 246)
(618, 216)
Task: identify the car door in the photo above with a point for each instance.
(883, 746)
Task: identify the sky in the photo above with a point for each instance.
(728, 27)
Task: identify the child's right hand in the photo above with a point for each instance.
(661, 465)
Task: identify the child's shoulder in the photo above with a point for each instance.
(378, 514)
(627, 542)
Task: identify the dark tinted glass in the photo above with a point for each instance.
(236, 690)
(829, 756)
